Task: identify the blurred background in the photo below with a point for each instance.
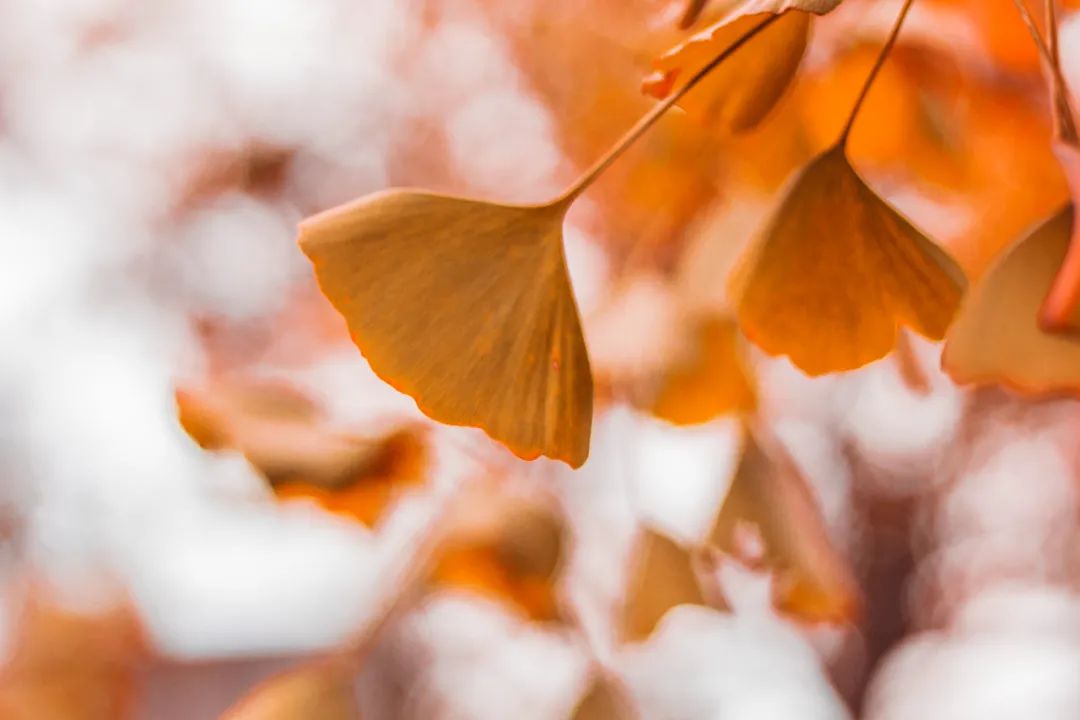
(208, 496)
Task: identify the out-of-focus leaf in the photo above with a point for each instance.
(837, 270)
(322, 690)
(770, 496)
(996, 337)
(603, 701)
(663, 578)
(709, 380)
(400, 461)
(466, 306)
(512, 555)
(68, 666)
(283, 434)
(741, 91)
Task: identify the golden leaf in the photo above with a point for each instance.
(996, 338)
(739, 93)
(282, 433)
(466, 306)
(769, 495)
(837, 270)
(663, 578)
(321, 690)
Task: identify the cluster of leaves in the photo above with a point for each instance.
(830, 280)
(466, 306)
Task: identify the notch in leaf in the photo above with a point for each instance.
(466, 305)
(837, 270)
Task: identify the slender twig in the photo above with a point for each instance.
(882, 56)
(1045, 51)
(650, 118)
(1064, 119)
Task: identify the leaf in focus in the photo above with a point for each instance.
(663, 578)
(708, 381)
(321, 690)
(466, 306)
(768, 493)
(837, 270)
(996, 337)
(511, 553)
(64, 665)
(740, 92)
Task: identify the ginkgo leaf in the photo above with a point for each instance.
(1060, 311)
(663, 578)
(996, 337)
(283, 434)
(467, 307)
(770, 497)
(837, 270)
(739, 93)
(710, 380)
(321, 690)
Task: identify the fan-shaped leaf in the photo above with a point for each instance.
(768, 493)
(467, 307)
(837, 270)
(996, 337)
(739, 93)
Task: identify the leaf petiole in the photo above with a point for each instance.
(882, 56)
(649, 119)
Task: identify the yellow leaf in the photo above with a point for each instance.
(996, 338)
(663, 578)
(467, 307)
(837, 270)
(321, 690)
(769, 495)
(740, 92)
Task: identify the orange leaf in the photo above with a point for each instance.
(768, 493)
(281, 432)
(663, 578)
(513, 556)
(321, 690)
(709, 381)
(467, 307)
(837, 270)
(996, 337)
(741, 91)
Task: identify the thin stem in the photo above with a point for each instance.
(1064, 120)
(1025, 14)
(650, 118)
(882, 56)
(1052, 31)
